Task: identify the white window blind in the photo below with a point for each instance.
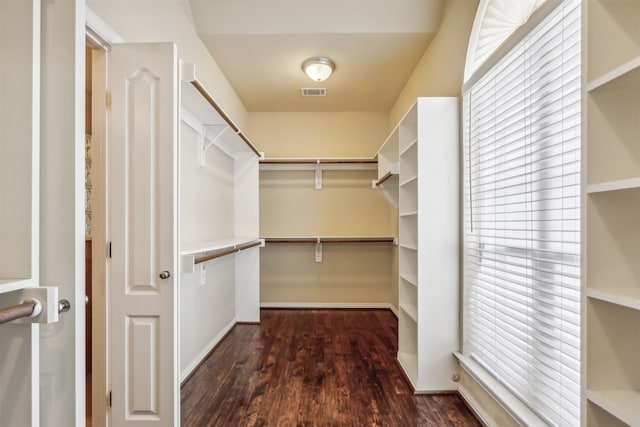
(522, 218)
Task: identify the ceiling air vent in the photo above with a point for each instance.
(313, 91)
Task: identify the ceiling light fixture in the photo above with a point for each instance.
(318, 68)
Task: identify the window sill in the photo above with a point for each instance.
(514, 407)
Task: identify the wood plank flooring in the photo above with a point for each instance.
(313, 368)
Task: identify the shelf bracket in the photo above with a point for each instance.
(318, 175)
(318, 251)
(202, 159)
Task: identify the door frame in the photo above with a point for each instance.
(99, 37)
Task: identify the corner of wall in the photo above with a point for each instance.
(441, 70)
(172, 22)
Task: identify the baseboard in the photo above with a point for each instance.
(475, 407)
(513, 407)
(197, 361)
(329, 305)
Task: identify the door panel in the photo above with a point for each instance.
(142, 179)
(19, 140)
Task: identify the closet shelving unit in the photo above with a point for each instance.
(611, 242)
(199, 252)
(320, 240)
(318, 165)
(309, 163)
(231, 174)
(330, 239)
(387, 182)
(426, 140)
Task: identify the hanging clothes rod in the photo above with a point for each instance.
(225, 252)
(294, 161)
(226, 118)
(25, 309)
(383, 239)
(384, 178)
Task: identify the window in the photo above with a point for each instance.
(522, 218)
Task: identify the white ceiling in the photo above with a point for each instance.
(261, 44)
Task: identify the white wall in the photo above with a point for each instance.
(207, 311)
(170, 21)
(207, 305)
(206, 193)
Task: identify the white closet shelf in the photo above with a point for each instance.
(412, 279)
(411, 145)
(9, 285)
(626, 76)
(212, 249)
(388, 169)
(411, 311)
(622, 404)
(331, 239)
(410, 246)
(630, 300)
(390, 176)
(410, 213)
(409, 180)
(623, 184)
(205, 114)
(308, 163)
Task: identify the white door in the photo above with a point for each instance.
(142, 181)
(19, 345)
(33, 194)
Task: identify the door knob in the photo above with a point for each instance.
(165, 274)
(63, 306)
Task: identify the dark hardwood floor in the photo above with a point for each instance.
(313, 368)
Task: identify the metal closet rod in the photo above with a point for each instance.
(226, 118)
(16, 312)
(225, 252)
(329, 239)
(30, 307)
(294, 161)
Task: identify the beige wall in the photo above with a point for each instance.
(347, 205)
(441, 69)
(302, 134)
(171, 23)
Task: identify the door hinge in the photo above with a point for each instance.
(109, 399)
(109, 100)
(109, 249)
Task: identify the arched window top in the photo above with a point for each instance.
(495, 21)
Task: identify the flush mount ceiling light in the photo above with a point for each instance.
(318, 68)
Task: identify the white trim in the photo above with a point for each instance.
(321, 305)
(206, 350)
(469, 63)
(510, 42)
(476, 407)
(99, 32)
(520, 412)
